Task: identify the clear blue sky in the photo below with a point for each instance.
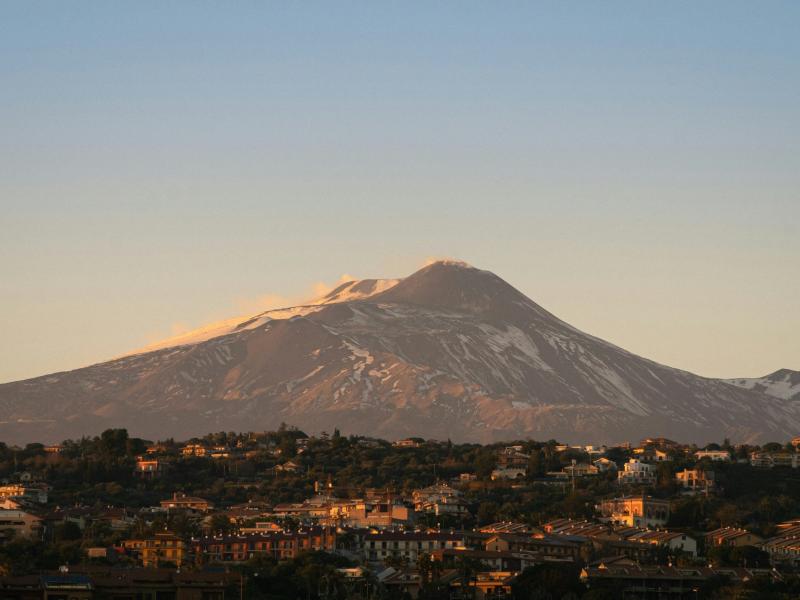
(632, 166)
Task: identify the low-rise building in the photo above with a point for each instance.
(768, 460)
(194, 450)
(732, 536)
(439, 499)
(673, 540)
(510, 473)
(660, 442)
(24, 492)
(161, 549)
(149, 467)
(408, 545)
(784, 547)
(280, 545)
(636, 472)
(21, 523)
(289, 466)
(484, 585)
(218, 452)
(604, 464)
(180, 501)
(635, 511)
(716, 455)
(694, 481)
(581, 470)
(562, 547)
(381, 512)
(513, 457)
(651, 454)
(92, 582)
(659, 581)
(407, 443)
(506, 527)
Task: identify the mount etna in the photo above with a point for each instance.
(450, 351)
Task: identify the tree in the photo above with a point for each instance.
(536, 465)
(552, 582)
(485, 463)
(467, 569)
(487, 512)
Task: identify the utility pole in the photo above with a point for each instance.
(573, 474)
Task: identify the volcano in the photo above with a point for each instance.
(450, 351)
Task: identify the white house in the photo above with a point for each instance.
(636, 472)
(721, 455)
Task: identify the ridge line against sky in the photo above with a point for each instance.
(632, 168)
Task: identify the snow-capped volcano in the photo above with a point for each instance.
(450, 351)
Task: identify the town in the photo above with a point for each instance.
(282, 514)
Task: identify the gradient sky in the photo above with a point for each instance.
(634, 167)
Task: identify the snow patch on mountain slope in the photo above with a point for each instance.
(513, 337)
(349, 291)
(357, 290)
(227, 327)
(784, 386)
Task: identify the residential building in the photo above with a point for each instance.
(574, 527)
(673, 540)
(439, 499)
(218, 452)
(660, 442)
(509, 473)
(21, 523)
(484, 585)
(581, 470)
(380, 512)
(512, 457)
(768, 460)
(181, 501)
(289, 466)
(280, 545)
(163, 548)
(407, 443)
(552, 546)
(195, 450)
(93, 582)
(150, 468)
(659, 581)
(261, 527)
(604, 464)
(635, 511)
(24, 492)
(784, 547)
(494, 560)
(732, 536)
(716, 455)
(694, 481)
(651, 454)
(409, 545)
(506, 527)
(636, 472)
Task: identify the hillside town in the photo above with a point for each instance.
(283, 515)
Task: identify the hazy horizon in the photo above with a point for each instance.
(633, 169)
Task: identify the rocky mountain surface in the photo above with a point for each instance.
(450, 351)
